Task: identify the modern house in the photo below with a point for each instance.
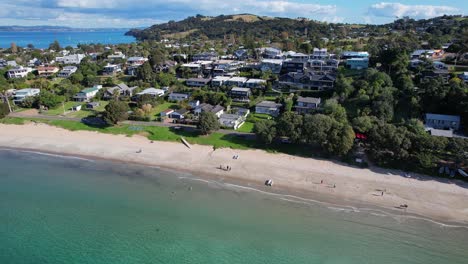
(241, 54)
(231, 121)
(152, 91)
(273, 65)
(136, 61)
(111, 69)
(357, 63)
(116, 55)
(197, 82)
(328, 65)
(119, 90)
(219, 80)
(446, 122)
(272, 53)
(268, 107)
(308, 80)
(194, 104)
(291, 65)
(22, 94)
(240, 94)
(87, 94)
(18, 72)
(215, 109)
(46, 71)
(178, 97)
(178, 114)
(67, 71)
(354, 54)
(235, 81)
(205, 56)
(70, 59)
(305, 105)
(255, 83)
(319, 54)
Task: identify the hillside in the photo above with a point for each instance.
(269, 28)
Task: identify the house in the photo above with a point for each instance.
(240, 111)
(178, 97)
(319, 54)
(272, 53)
(217, 110)
(119, 90)
(354, 54)
(226, 67)
(299, 57)
(231, 121)
(417, 54)
(305, 105)
(197, 82)
(219, 80)
(70, 59)
(464, 76)
(116, 55)
(205, 56)
(308, 80)
(191, 68)
(193, 104)
(357, 63)
(21, 95)
(46, 71)
(166, 113)
(111, 69)
(445, 122)
(255, 83)
(438, 73)
(241, 54)
(136, 61)
(87, 94)
(268, 107)
(240, 94)
(67, 71)
(328, 65)
(152, 91)
(178, 114)
(92, 105)
(76, 108)
(291, 65)
(272, 65)
(18, 72)
(235, 81)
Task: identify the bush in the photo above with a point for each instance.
(115, 112)
(3, 110)
(208, 123)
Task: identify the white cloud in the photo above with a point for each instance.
(384, 9)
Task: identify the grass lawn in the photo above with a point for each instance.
(59, 109)
(85, 112)
(161, 107)
(246, 127)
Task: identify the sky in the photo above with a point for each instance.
(142, 13)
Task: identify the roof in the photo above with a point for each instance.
(230, 116)
(205, 80)
(221, 78)
(89, 90)
(441, 132)
(181, 111)
(273, 61)
(312, 100)
(167, 111)
(238, 79)
(256, 81)
(451, 118)
(269, 104)
(152, 91)
(240, 89)
(178, 94)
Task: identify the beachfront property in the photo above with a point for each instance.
(152, 92)
(217, 110)
(87, 94)
(306, 105)
(119, 90)
(445, 122)
(231, 121)
(70, 59)
(46, 71)
(178, 114)
(18, 72)
(268, 107)
(111, 69)
(20, 95)
(67, 71)
(240, 94)
(177, 97)
(198, 82)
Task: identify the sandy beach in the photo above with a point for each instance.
(439, 199)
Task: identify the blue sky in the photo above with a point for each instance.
(136, 13)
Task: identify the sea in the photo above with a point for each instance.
(43, 39)
(56, 209)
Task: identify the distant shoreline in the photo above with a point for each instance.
(294, 176)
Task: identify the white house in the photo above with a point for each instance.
(268, 107)
(152, 91)
(22, 94)
(116, 55)
(231, 121)
(178, 97)
(67, 71)
(133, 61)
(19, 72)
(111, 69)
(217, 110)
(236, 81)
(219, 80)
(255, 83)
(87, 94)
(70, 59)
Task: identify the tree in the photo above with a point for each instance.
(145, 72)
(55, 46)
(362, 124)
(316, 128)
(115, 112)
(14, 48)
(340, 139)
(265, 130)
(208, 123)
(290, 125)
(335, 110)
(4, 111)
(49, 100)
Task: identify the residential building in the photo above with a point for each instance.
(273, 65)
(241, 54)
(235, 81)
(240, 111)
(70, 59)
(152, 91)
(46, 71)
(226, 67)
(111, 69)
(308, 80)
(192, 68)
(92, 105)
(197, 82)
(438, 73)
(306, 105)
(319, 54)
(327, 65)
(134, 61)
(67, 71)
(268, 107)
(217, 110)
(354, 54)
(178, 97)
(178, 114)
(18, 72)
(463, 76)
(205, 56)
(87, 94)
(193, 104)
(240, 94)
(445, 122)
(357, 63)
(272, 53)
(299, 57)
(21, 95)
(231, 121)
(116, 55)
(166, 113)
(119, 90)
(291, 65)
(219, 80)
(255, 83)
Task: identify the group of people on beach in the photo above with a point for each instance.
(334, 185)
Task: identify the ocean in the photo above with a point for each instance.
(57, 209)
(43, 39)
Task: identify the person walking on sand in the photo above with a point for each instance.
(334, 185)
(321, 182)
(381, 194)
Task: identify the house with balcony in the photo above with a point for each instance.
(18, 72)
(198, 82)
(268, 107)
(231, 121)
(67, 71)
(240, 94)
(319, 54)
(46, 71)
(291, 65)
(136, 61)
(70, 59)
(357, 63)
(236, 81)
(272, 65)
(308, 80)
(255, 83)
(20, 95)
(444, 122)
(178, 97)
(111, 69)
(306, 105)
(87, 94)
(217, 110)
(219, 81)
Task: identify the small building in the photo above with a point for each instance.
(205, 56)
(46, 71)
(268, 107)
(272, 65)
(70, 59)
(240, 94)
(21, 95)
(197, 82)
(76, 108)
(178, 114)
(231, 121)
(136, 61)
(18, 72)
(67, 71)
(166, 112)
(193, 104)
(178, 97)
(445, 122)
(92, 105)
(255, 83)
(305, 105)
(87, 94)
(119, 90)
(357, 63)
(116, 55)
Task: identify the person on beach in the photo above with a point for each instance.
(321, 182)
(381, 194)
(334, 185)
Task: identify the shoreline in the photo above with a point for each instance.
(293, 176)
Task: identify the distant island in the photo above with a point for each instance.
(55, 29)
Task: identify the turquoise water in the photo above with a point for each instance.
(65, 210)
(43, 39)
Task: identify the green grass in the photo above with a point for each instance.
(161, 107)
(12, 121)
(59, 109)
(247, 127)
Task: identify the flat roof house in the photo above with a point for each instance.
(70, 59)
(305, 105)
(219, 80)
(268, 107)
(22, 94)
(18, 72)
(178, 97)
(255, 83)
(67, 71)
(442, 121)
(205, 56)
(231, 121)
(133, 61)
(46, 71)
(197, 82)
(273, 65)
(240, 94)
(111, 69)
(357, 63)
(236, 81)
(152, 91)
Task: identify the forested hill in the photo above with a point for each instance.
(269, 28)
